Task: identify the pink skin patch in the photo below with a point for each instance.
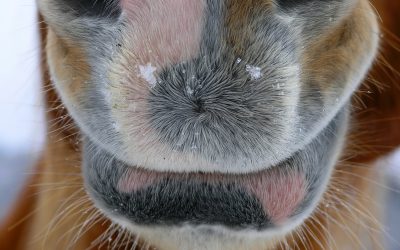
(165, 31)
(280, 193)
(137, 179)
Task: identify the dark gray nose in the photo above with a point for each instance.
(220, 112)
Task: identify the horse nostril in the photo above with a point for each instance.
(92, 8)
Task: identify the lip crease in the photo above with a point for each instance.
(279, 191)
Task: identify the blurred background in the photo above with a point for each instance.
(23, 129)
(22, 126)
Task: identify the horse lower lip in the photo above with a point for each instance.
(259, 200)
(279, 192)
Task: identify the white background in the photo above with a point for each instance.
(21, 116)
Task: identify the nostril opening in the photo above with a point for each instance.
(92, 8)
(199, 106)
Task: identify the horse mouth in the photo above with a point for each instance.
(278, 197)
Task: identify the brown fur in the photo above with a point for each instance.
(238, 21)
(69, 60)
(337, 49)
(375, 133)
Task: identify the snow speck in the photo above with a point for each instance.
(238, 60)
(189, 90)
(147, 73)
(116, 126)
(255, 72)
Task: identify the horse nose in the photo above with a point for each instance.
(223, 116)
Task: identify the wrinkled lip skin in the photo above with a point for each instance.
(278, 197)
